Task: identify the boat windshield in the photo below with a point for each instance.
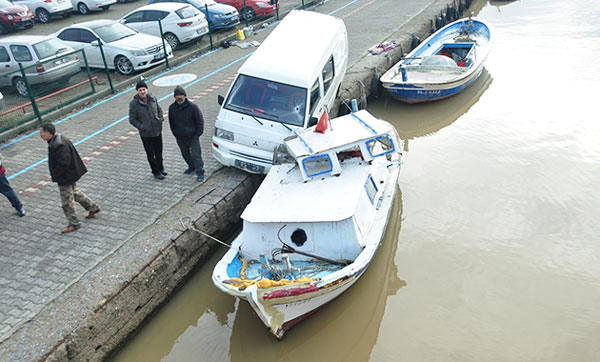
(270, 100)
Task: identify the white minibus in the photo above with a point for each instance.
(285, 85)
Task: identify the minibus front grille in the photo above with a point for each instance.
(251, 157)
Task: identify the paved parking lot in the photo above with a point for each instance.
(37, 262)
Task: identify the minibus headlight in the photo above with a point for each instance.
(221, 133)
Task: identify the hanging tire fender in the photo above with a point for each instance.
(376, 87)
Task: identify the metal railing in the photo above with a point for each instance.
(35, 101)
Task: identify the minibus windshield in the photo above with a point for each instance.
(269, 100)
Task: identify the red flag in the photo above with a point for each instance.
(322, 125)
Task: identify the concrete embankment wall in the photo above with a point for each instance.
(99, 312)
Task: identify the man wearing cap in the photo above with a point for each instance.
(187, 125)
(146, 115)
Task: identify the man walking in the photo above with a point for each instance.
(187, 125)
(7, 191)
(146, 115)
(66, 168)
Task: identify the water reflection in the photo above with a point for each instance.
(197, 321)
(345, 329)
(424, 119)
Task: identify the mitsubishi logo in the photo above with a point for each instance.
(255, 144)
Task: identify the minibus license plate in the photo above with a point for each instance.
(249, 166)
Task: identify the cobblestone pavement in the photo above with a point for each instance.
(37, 262)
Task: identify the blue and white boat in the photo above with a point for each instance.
(316, 221)
(442, 65)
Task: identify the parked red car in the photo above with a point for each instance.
(14, 16)
(254, 8)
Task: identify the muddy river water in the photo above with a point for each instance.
(493, 249)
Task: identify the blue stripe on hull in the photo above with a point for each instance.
(413, 94)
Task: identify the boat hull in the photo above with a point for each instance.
(411, 93)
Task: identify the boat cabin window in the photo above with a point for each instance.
(349, 154)
(299, 237)
(380, 146)
(327, 75)
(317, 165)
(266, 99)
(371, 189)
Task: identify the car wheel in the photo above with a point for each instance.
(172, 40)
(21, 86)
(123, 65)
(82, 8)
(43, 16)
(248, 13)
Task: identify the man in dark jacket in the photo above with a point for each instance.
(146, 115)
(66, 168)
(187, 125)
(7, 191)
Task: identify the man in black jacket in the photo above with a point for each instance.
(187, 125)
(66, 168)
(146, 115)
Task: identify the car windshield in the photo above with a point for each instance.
(114, 32)
(4, 4)
(50, 47)
(269, 100)
(200, 3)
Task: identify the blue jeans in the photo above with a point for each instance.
(192, 154)
(7, 191)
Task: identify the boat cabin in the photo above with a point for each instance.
(323, 204)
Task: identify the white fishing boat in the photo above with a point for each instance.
(316, 222)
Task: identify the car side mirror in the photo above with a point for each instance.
(95, 43)
(312, 121)
(220, 99)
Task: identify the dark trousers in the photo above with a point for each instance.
(154, 147)
(191, 152)
(7, 191)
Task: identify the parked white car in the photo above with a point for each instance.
(125, 49)
(85, 6)
(43, 57)
(180, 23)
(44, 10)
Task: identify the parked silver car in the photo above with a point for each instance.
(45, 54)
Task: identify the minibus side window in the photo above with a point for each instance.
(314, 96)
(327, 75)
